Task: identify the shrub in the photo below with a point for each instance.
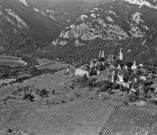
(85, 82)
(9, 130)
(129, 64)
(154, 102)
(109, 91)
(103, 86)
(121, 87)
(84, 78)
(147, 96)
(28, 96)
(92, 83)
(149, 89)
(109, 85)
(125, 103)
(147, 83)
(133, 98)
(43, 93)
(78, 94)
(115, 86)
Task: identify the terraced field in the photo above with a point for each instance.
(131, 121)
(11, 61)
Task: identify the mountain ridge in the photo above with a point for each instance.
(118, 24)
(36, 30)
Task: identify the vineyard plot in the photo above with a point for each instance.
(131, 121)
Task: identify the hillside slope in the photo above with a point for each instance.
(23, 29)
(47, 4)
(127, 24)
(68, 11)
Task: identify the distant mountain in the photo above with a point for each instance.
(127, 24)
(44, 4)
(66, 11)
(24, 29)
(27, 26)
(47, 4)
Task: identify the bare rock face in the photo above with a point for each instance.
(140, 3)
(127, 24)
(118, 20)
(77, 43)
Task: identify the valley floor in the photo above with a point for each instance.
(68, 111)
(85, 117)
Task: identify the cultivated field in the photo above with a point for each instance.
(77, 117)
(64, 109)
(67, 112)
(131, 121)
(11, 58)
(44, 63)
(11, 61)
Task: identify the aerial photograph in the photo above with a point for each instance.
(78, 67)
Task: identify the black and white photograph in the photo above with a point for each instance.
(78, 67)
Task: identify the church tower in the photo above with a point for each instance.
(120, 54)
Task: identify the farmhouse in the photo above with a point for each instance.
(82, 72)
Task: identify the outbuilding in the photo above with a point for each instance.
(81, 72)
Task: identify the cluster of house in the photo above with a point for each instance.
(94, 67)
(129, 76)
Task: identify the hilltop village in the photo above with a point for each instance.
(106, 74)
(132, 78)
(57, 94)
